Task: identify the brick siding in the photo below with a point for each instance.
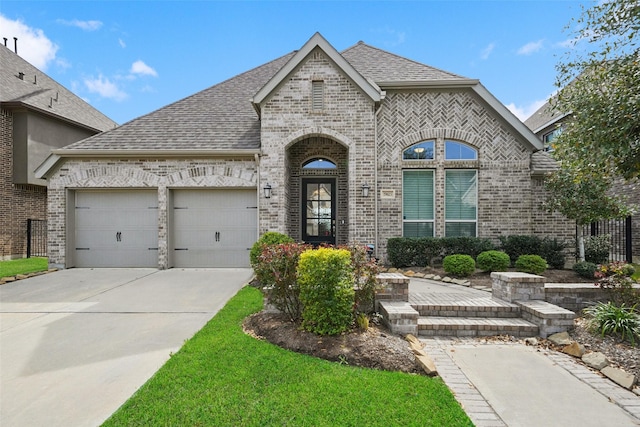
(19, 202)
(135, 174)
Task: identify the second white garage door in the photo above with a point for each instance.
(212, 228)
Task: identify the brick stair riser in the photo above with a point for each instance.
(465, 311)
(476, 332)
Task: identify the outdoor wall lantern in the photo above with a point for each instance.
(365, 190)
(267, 191)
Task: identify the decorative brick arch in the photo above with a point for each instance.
(439, 133)
(322, 132)
(111, 176)
(223, 175)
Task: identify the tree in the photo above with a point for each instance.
(584, 201)
(600, 90)
(600, 138)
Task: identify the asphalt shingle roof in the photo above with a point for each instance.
(222, 116)
(544, 115)
(38, 91)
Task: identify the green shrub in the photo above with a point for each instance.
(459, 265)
(585, 269)
(472, 246)
(553, 251)
(268, 238)
(596, 248)
(518, 245)
(326, 281)
(276, 268)
(610, 319)
(533, 264)
(407, 252)
(364, 273)
(403, 251)
(493, 261)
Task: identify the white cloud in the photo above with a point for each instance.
(105, 88)
(122, 43)
(33, 45)
(531, 47)
(524, 112)
(84, 25)
(141, 68)
(487, 51)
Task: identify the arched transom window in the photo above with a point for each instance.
(454, 150)
(421, 151)
(319, 163)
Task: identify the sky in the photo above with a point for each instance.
(129, 58)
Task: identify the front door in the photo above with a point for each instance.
(319, 210)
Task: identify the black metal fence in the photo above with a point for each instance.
(621, 237)
(36, 237)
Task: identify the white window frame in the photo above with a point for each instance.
(433, 192)
(475, 220)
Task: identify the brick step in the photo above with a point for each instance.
(475, 327)
(455, 305)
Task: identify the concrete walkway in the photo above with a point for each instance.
(76, 344)
(515, 385)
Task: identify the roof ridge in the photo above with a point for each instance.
(361, 43)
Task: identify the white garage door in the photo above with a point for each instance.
(212, 228)
(116, 228)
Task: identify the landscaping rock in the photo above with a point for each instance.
(418, 275)
(429, 276)
(531, 341)
(595, 360)
(619, 376)
(561, 338)
(427, 364)
(410, 273)
(460, 282)
(415, 344)
(447, 279)
(437, 277)
(392, 270)
(574, 349)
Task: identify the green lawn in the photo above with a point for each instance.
(222, 377)
(22, 266)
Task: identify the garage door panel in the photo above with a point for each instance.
(116, 229)
(213, 228)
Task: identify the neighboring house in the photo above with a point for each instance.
(36, 115)
(547, 123)
(330, 147)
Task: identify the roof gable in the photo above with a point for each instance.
(23, 85)
(317, 41)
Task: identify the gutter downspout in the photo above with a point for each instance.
(375, 176)
(256, 157)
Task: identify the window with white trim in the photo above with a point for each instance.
(454, 150)
(417, 203)
(461, 203)
(549, 138)
(421, 151)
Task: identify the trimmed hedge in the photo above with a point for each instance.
(533, 264)
(493, 261)
(585, 269)
(325, 278)
(551, 250)
(459, 265)
(407, 252)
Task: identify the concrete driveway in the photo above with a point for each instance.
(76, 344)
